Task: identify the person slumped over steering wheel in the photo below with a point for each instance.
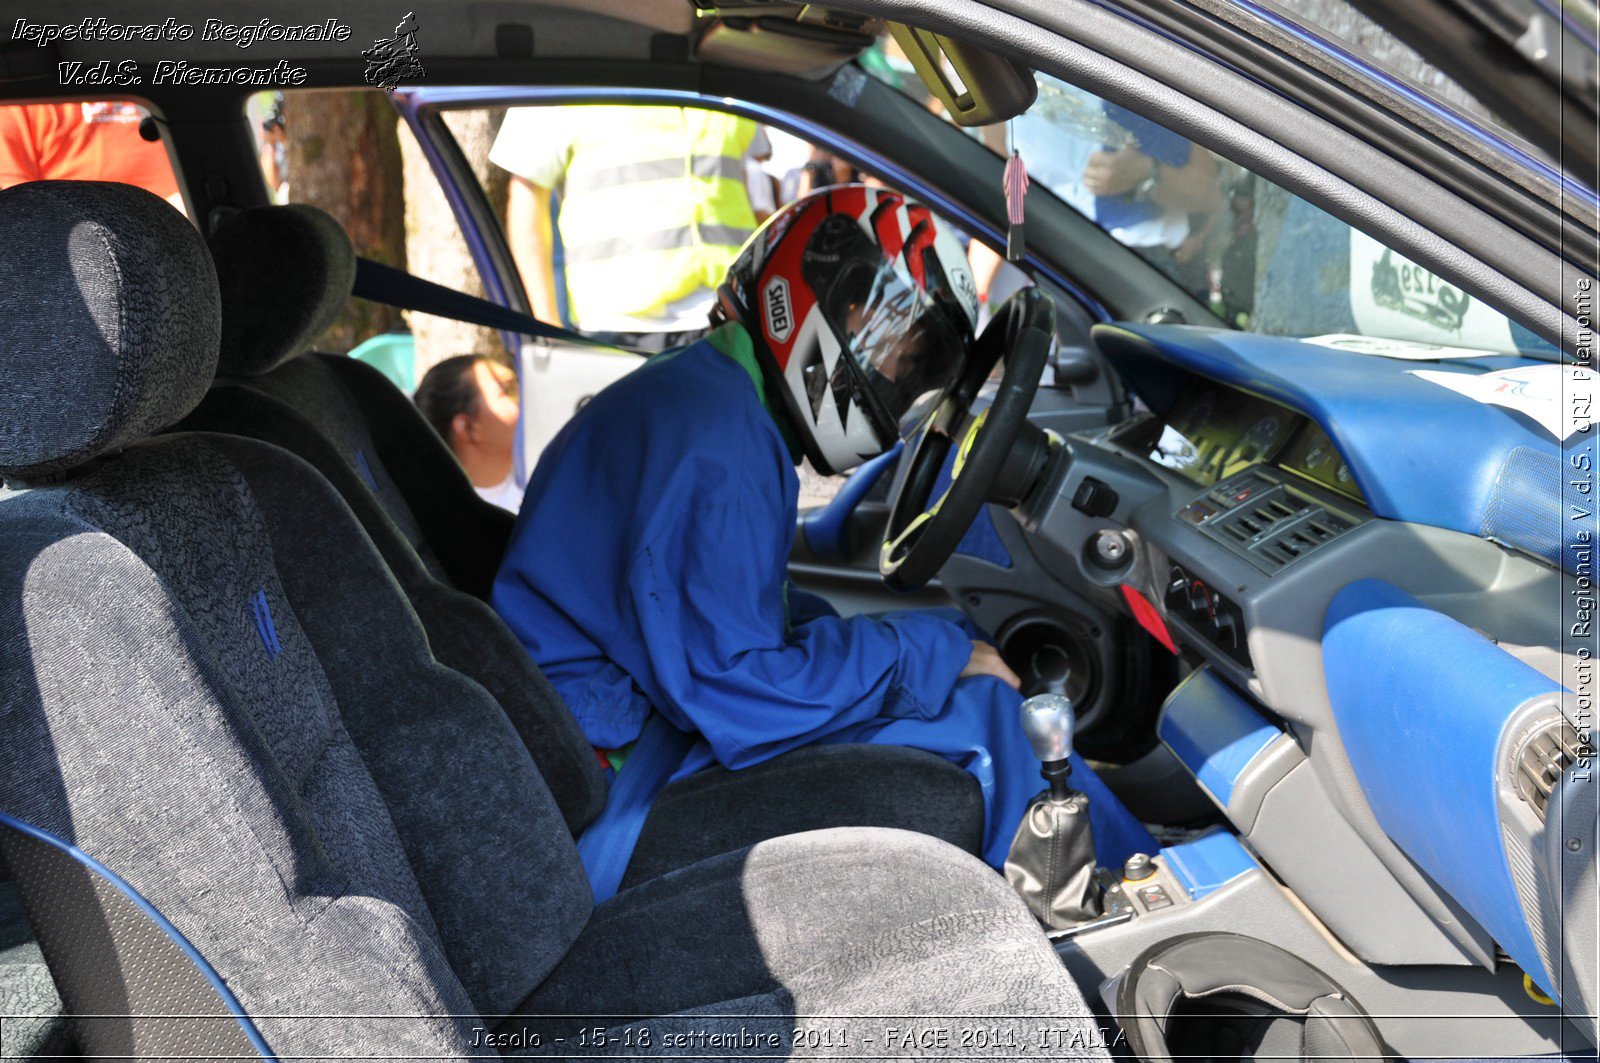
(647, 574)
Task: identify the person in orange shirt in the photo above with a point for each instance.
(85, 141)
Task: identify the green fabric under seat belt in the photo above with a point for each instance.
(732, 340)
(608, 844)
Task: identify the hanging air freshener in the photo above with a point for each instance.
(1016, 180)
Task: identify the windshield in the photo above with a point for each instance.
(1260, 258)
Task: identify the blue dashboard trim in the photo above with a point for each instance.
(1205, 864)
(95, 867)
(1213, 731)
(1418, 452)
(1421, 701)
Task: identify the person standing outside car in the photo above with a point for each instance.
(95, 140)
(1151, 189)
(471, 402)
(653, 209)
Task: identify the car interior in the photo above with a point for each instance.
(276, 780)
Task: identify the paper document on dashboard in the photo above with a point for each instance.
(1559, 397)
(1407, 350)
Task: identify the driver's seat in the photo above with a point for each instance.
(285, 274)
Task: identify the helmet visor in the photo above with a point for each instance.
(903, 337)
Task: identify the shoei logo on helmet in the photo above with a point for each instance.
(779, 314)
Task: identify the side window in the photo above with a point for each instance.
(1263, 260)
(85, 140)
(622, 221)
(349, 153)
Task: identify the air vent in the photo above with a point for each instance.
(1270, 522)
(1544, 756)
(1300, 538)
(1277, 527)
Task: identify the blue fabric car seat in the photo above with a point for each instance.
(211, 684)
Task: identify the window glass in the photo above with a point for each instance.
(349, 153)
(1262, 259)
(85, 140)
(623, 221)
(1339, 21)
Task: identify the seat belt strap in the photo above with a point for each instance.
(378, 283)
(608, 844)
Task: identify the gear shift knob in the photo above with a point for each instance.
(1048, 720)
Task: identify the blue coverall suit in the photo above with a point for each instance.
(647, 574)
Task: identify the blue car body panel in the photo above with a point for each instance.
(1421, 701)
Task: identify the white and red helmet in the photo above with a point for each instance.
(860, 302)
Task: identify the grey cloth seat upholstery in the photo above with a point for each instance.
(284, 275)
(211, 682)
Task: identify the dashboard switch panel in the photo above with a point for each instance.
(1268, 521)
(1209, 613)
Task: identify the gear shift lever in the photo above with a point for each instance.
(1049, 720)
(1052, 863)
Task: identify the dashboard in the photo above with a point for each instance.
(1324, 534)
(1332, 536)
(1214, 432)
(1225, 491)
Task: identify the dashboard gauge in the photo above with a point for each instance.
(1312, 454)
(1264, 431)
(1199, 414)
(1259, 442)
(1213, 432)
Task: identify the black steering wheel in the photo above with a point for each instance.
(920, 538)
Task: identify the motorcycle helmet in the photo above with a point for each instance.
(859, 302)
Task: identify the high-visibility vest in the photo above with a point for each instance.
(653, 207)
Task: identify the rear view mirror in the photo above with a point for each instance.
(976, 87)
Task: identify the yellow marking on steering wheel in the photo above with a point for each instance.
(966, 443)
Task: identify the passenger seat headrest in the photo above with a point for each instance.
(285, 273)
(109, 322)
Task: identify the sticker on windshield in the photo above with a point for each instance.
(847, 84)
(1410, 350)
(1394, 297)
(1559, 397)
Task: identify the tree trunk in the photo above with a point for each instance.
(435, 248)
(344, 157)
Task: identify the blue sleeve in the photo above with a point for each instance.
(804, 606)
(708, 593)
